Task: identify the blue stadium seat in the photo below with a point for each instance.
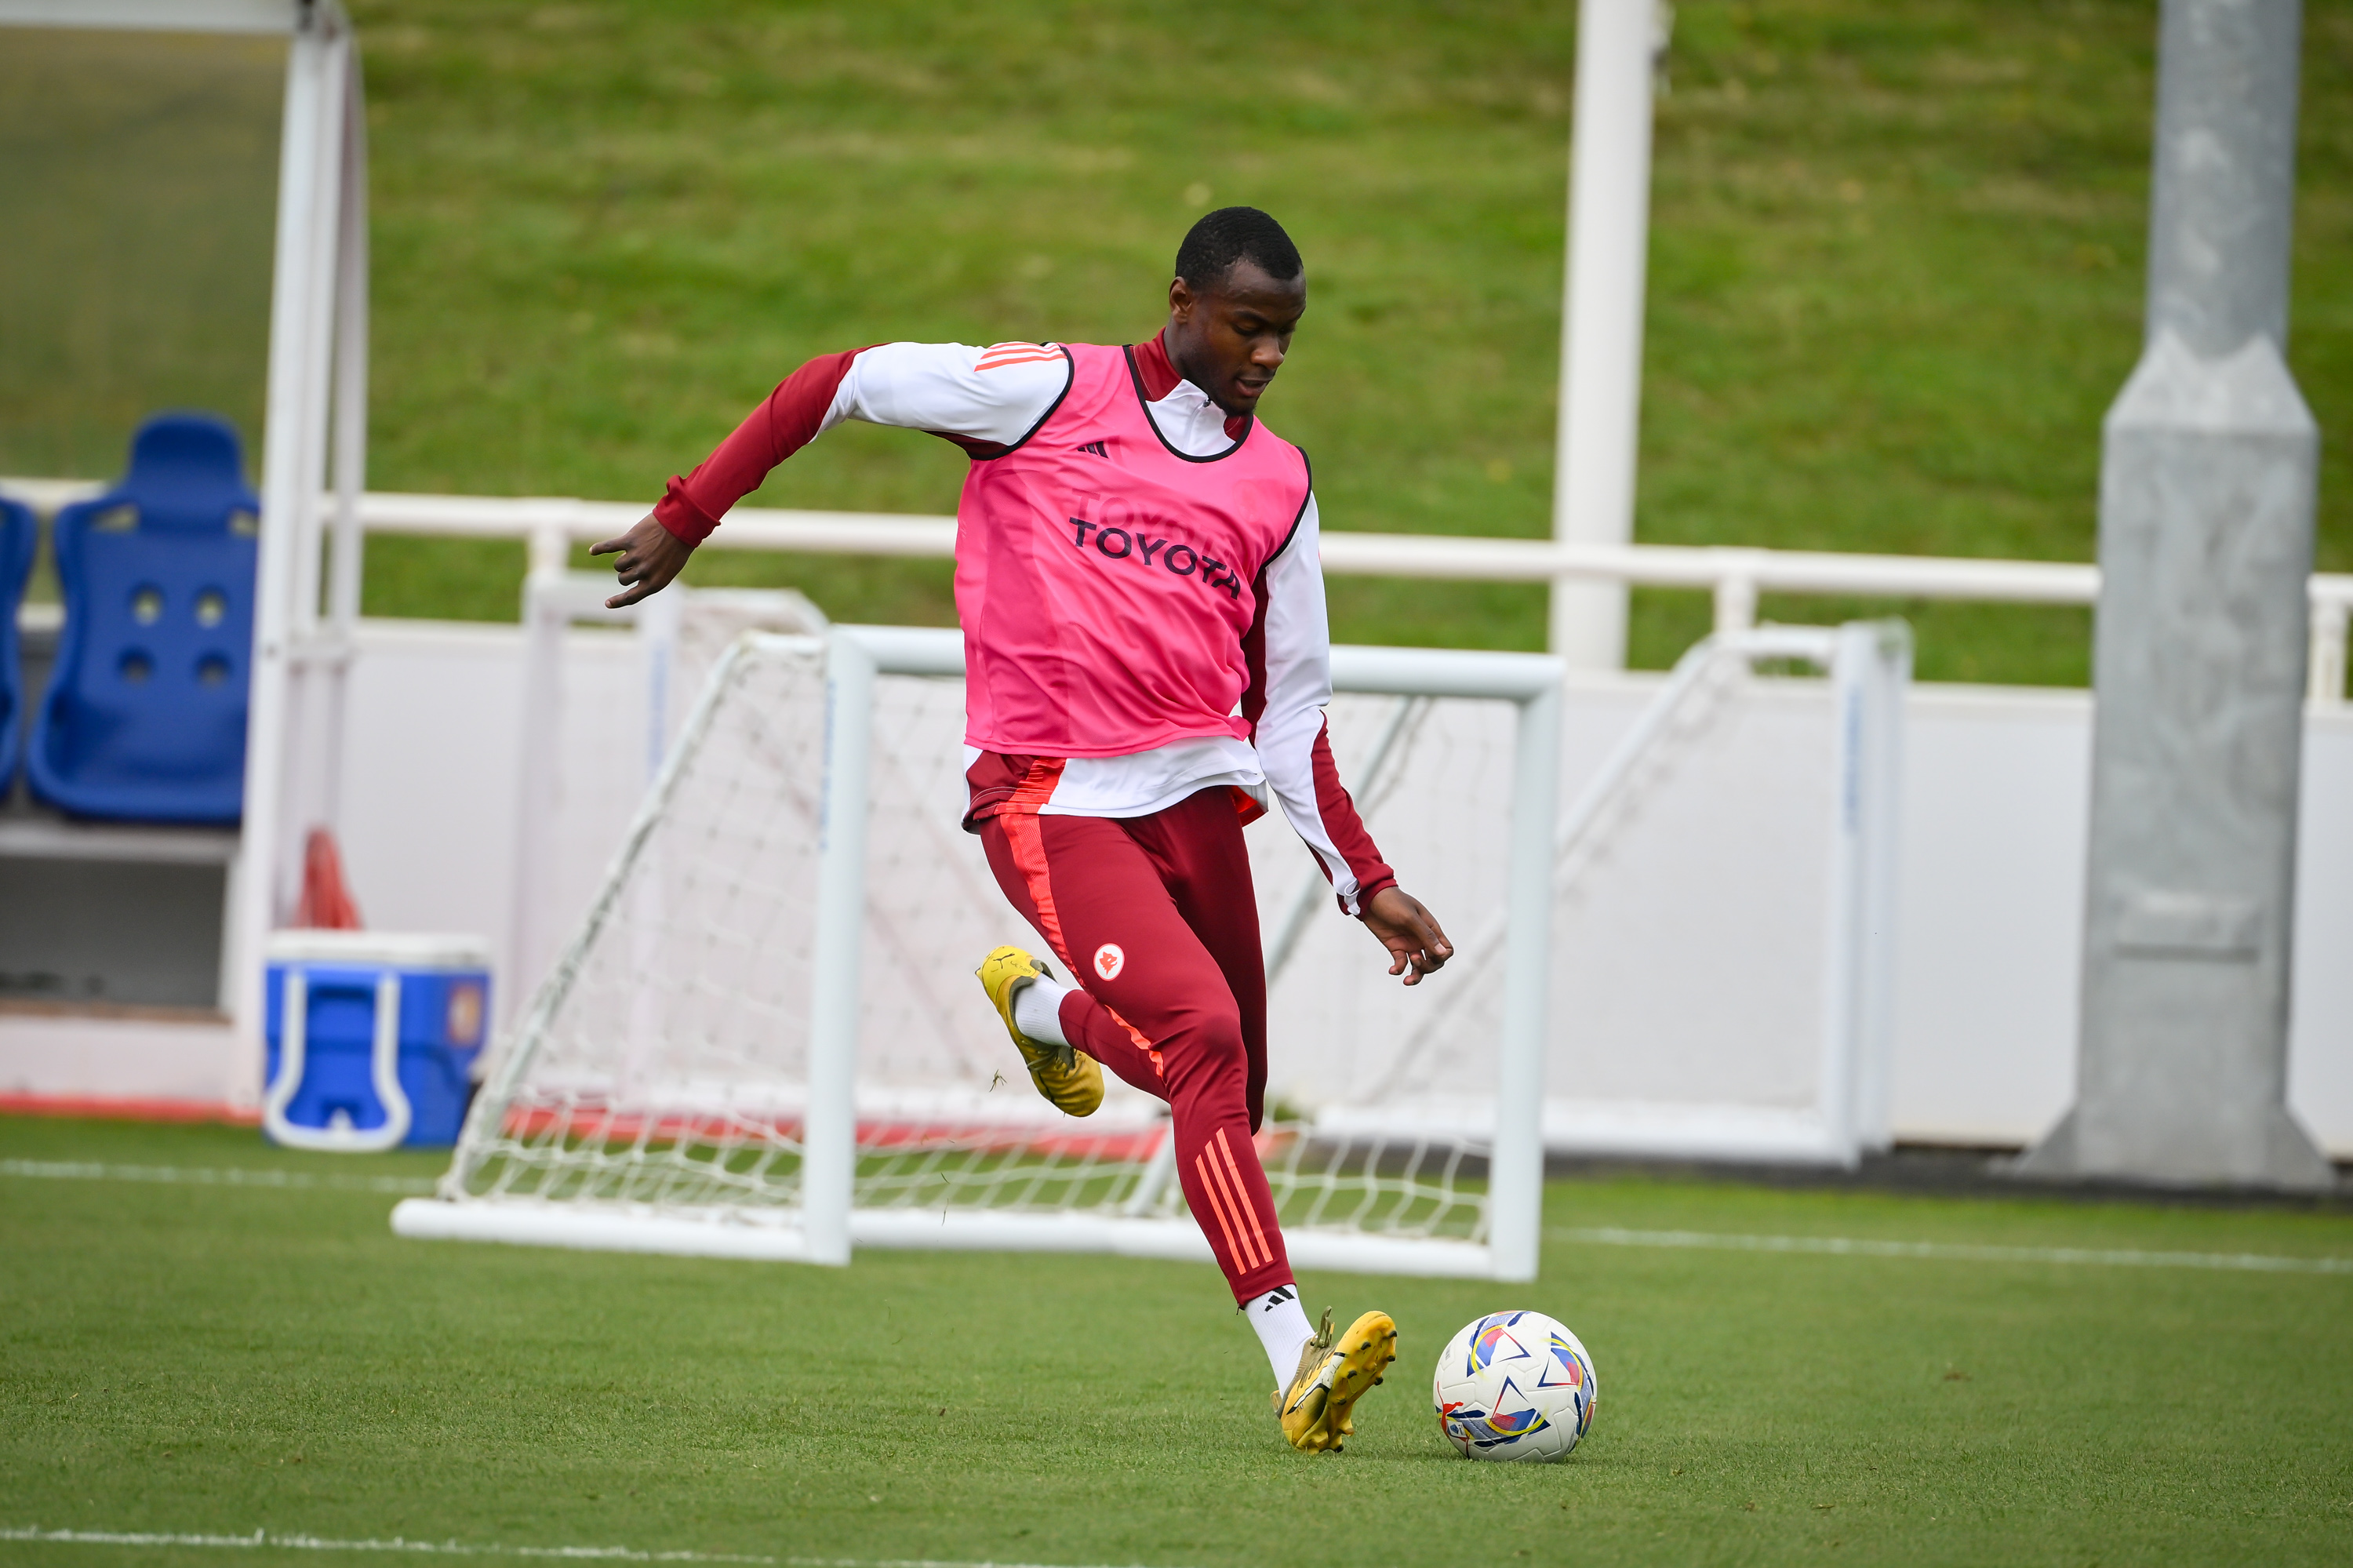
(144, 716)
(17, 531)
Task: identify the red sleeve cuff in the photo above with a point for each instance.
(690, 524)
(1367, 891)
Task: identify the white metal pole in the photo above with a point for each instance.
(310, 678)
(322, 283)
(830, 1136)
(351, 348)
(1602, 318)
(1888, 676)
(539, 737)
(349, 456)
(1515, 1176)
(288, 488)
(2324, 681)
(1842, 959)
(660, 621)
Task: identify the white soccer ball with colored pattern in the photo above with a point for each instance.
(1513, 1386)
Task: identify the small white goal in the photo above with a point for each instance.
(763, 1040)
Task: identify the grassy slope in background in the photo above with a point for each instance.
(185, 1358)
(1896, 265)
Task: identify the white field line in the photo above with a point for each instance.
(197, 1176)
(266, 1541)
(1954, 1251)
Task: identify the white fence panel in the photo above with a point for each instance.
(1991, 880)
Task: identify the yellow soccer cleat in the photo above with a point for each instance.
(1318, 1410)
(1070, 1081)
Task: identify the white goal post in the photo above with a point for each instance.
(738, 1054)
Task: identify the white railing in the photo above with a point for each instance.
(1735, 575)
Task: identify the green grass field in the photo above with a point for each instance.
(1895, 279)
(194, 1359)
(1896, 265)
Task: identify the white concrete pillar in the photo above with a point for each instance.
(1601, 316)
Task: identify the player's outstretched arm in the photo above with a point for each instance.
(986, 400)
(1410, 932)
(651, 558)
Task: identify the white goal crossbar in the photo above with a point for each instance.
(802, 1154)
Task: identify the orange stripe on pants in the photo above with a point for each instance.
(1029, 854)
(1238, 1203)
(1217, 1206)
(1248, 1211)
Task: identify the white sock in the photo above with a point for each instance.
(1037, 1010)
(1282, 1329)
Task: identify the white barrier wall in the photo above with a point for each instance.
(1996, 811)
(431, 774)
(1997, 785)
(1991, 880)
(1990, 887)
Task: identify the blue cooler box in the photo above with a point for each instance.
(372, 1037)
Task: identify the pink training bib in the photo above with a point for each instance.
(1106, 580)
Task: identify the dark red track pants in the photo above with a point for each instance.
(1157, 918)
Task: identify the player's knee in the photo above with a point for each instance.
(1219, 1041)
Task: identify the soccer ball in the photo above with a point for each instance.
(1513, 1386)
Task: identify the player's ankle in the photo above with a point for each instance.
(1037, 1010)
(1282, 1327)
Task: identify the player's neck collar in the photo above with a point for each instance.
(1157, 376)
(1157, 371)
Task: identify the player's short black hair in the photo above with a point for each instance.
(1232, 234)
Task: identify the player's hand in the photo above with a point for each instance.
(1410, 933)
(651, 555)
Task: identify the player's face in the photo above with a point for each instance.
(1229, 340)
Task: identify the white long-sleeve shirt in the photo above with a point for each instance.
(988, 400)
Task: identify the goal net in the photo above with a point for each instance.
(763, 1040)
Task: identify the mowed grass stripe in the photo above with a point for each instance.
(1590, 1235)
(1951, 1252)
(264, 1541)
(213, 1176)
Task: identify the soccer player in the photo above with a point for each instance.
(1146, 661)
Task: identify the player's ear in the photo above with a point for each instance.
(1180, 300)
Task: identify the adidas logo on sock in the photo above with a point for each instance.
(1277, 1297)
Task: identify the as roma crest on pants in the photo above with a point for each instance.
(1110, 958)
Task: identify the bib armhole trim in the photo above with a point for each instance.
(1070, 379)
(1306, 499)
